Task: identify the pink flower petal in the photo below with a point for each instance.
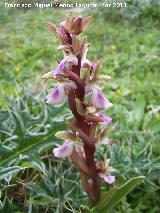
(60, 67)
(106, 119)
(94, 65)
(72, 59)
(57, 95)
(64, 150)
(98, 100)
(109, 179)
(87, 64)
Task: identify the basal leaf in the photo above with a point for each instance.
(29, 144)
(115, 195)
(105, 198)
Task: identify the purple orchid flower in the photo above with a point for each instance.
(109, 179)
(64, 150)
(60, 67)
(88, 64)
(85, 63)
(67, 148)
(106, 176)
(57, 95)
(68, 60)
(99, 101)
(87, 132)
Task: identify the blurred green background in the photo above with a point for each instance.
(128, 41)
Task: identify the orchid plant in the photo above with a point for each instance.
(78, 79)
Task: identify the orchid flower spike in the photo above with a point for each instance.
(78, 79)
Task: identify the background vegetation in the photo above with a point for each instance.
(31, 179)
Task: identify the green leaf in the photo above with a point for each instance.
(6, 172)
(19, 125)
(46, 200)
(30, 144)
(106, 198)
(34, 165)
(114, 196)
(27, 129)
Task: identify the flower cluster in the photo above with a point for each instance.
(78, 79)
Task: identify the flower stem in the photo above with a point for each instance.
(90, 183)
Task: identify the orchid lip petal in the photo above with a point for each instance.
(99, 101)
(86, 63)
(94, 65)
(56, 96)
(109, 179)
(106, 119)
(64, 150)
(60, 67)
(72, 59)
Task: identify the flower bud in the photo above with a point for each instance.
(76, 45)
(52, 27)
(76, 25)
